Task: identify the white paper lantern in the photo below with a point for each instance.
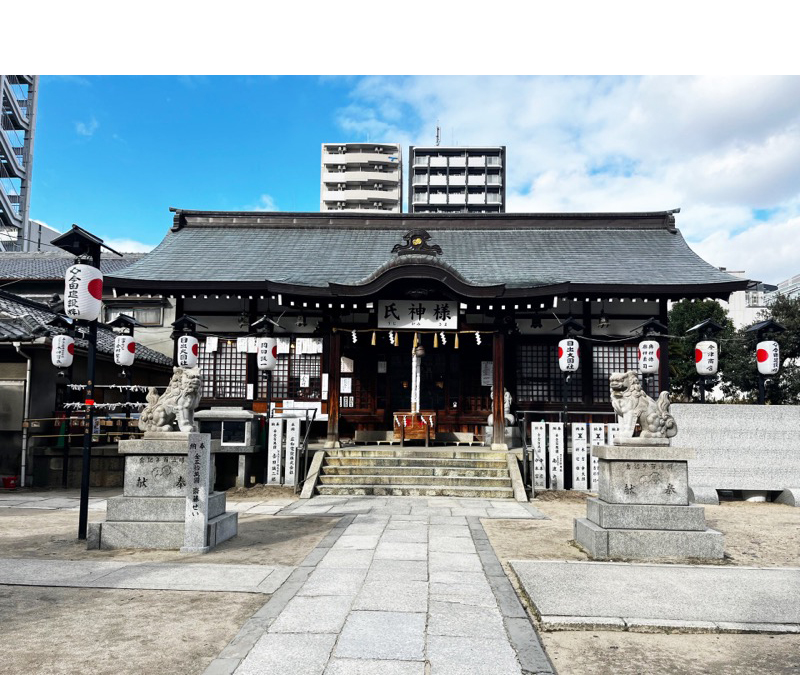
(83, 292)
(267, 353)
(706, 357)
(62, 351)
(649, 356)
(124, 350)
(568, 355)
(768, 356)
(188, 350)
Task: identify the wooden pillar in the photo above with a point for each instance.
(664, 318)
(498, 380)
(334, 376)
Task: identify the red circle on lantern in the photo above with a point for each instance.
(195, 349)
(274, 351)
(132, 347)
(698, 355)
(95, 288)
(658, 353)
(578, 352)
(560, 352)
(71, 347)
(639, 353)
(762, 355)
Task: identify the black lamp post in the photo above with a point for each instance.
(125, 325)
(65, 326)
(706, 330)
(85, 246)
(761, 329)
(570, 327)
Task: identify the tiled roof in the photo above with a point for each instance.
(22, 319)
(515, 250)
(52, 265)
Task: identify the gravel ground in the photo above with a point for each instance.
(756, 534)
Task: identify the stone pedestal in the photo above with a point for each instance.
(512, 437)
(642, 510)
(157, 495)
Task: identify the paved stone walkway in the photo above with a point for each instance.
(406, 586)
(56, 500)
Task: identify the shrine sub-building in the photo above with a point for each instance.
(382, 314)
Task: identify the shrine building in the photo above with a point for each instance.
(383, 314)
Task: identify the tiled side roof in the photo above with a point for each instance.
(516, 250)
(21, 319)
(51, 265)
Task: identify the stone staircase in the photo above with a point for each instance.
(415, 472)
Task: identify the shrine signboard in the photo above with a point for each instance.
(423, 314)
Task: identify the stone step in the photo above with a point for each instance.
(367, 460)
(456, 472)
(449, 453)
(417, 491)
(436, 481)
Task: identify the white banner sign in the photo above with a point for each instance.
(555, 432)
(613, 432)
(580, 479)
(539, 456)
(438, 314)
(274, 451)
(292, 444)
(597, 438)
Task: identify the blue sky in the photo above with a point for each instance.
(114, 152)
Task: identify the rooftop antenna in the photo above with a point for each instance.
(438, 135)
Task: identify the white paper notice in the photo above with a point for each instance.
(346, 385)
(212, 344)
(597, 438)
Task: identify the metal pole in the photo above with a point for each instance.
(761, 389)
(83, 513)
(702, 389)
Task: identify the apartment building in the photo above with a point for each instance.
(457, 179)
(361, 177)
(18, 99)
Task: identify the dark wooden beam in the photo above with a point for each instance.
(498, 379)
(334, 375)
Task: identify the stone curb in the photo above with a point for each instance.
(637, 625)
(239, 647)
(521, 633)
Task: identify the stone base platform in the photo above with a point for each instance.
(603, 543)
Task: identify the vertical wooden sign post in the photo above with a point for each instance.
(198, 486)
(580, 478)
(597, 438)
(274, 451)
(555, 449)
(538, 441)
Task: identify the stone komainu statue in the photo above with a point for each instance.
(176, 404)
(634, 406)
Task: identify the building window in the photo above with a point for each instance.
(607, 359)
(539, 379)
(295, 377)
(224, 371)
(145, 315)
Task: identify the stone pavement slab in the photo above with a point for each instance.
(624, 595)
(377, 667)
(383, 635)
(152, 576)
(304, 653)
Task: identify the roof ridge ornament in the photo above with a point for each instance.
(417, 242)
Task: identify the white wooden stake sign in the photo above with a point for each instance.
(597, 438)
(539, 455)
(555, 431)
(274, 451)
(580, 479)
(292, 446)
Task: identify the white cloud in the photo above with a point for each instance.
(719, 148)
(128, 245)
(87, 128)
(265, 203)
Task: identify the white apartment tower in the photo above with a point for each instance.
(457, 179)
(361, 177)
(18, 99)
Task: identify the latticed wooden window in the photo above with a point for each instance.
(539, 379)
(224, 371)
(609, 359)
(296, 377)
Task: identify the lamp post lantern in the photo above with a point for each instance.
(767, 353)
(83, 294)
(706, 352)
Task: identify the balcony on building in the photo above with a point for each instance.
(476, 198)
(438, 198)
(438, 161)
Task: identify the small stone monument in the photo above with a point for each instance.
(168, 500)
(642, 510)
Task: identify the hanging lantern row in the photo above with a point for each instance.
(706, 357)
(568, 355)
(62, 351)
(266, 353)
(649, 357)
(188, 351)
(83, 292)
(768, 357)
(124, 350)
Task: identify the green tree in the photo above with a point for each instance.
(740, 378)
(684, 380)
